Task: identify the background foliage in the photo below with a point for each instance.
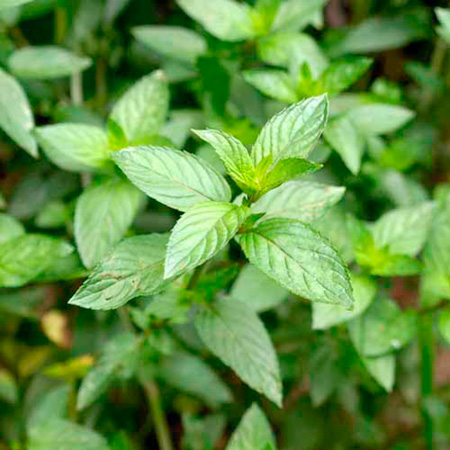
(282, 284)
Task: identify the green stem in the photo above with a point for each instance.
(426, 343)
(61, 21)
(101, 82)
(437, 60)
(76, 88)
(159, 419)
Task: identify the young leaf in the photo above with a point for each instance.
(134, 268)
(103, 214)
(300, 259)
(382, 370)
(379, 118)
(257, 290)
(233, 332)
(16, 116)
(235, 25)
(253, 433)
(293, 132)
(345, 138)
(234, 156)
(189, 373)
(75, 147)
(404, 230)
(24, 258)
(55, 434)
(273, 83)
(302, 200)
(46, 62)
(327, 316)
(172, 41)
(177, 179)
(382, 329)
(200, 233)
(142, 110)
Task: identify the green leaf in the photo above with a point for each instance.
(103, 214)
(117, 353)
(253, 433)
(235, 25)
(286, 170)
(142, 110)
(75, 147)
(56, 434)
(443, 29)
(327, 316)
(382, 370)
(377, 34)
(297, 14)
(234, 156)
(379, 118)
(24, 258)
(257, 290)
(302, 200)
(16, 116)
(177, 179)
(273, 83)
(233, 332)
(293, 132)
(8, 387)
(10, 228)
(190, 374)
(342, 74)
(444, 324)
(200, 233)
(300, 259)
(345, 138)
(134, 268)
(404, 230)
(172, 42)
(46, 62)
(382, 329)
(12, 3)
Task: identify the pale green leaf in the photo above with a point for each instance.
(443, 29)
(16, 116)
(234, 156)
(190, 374)
(293, 132)
(8, 387)
(404, 230)
(10, 228)
(273, 83)
(345, 138)
(302, 200)
(382, 370)
(177, 179)
(12, 3)
(382, 329)
(24, 258)
(257, 290)
(103, 214)
(227, 20)
(134, 268)
(142, 110)
(297, 14)
(172, 41)
(75, 147)
(253, 432)
(379, 118)
(94, 384)
(59, 434)
(201, 232)
(327, 316)
(46, 62)
(300, 259)
(233, 332)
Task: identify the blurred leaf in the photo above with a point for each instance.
(233, 332)
(134, 268)
(10, 228)
(443, 29)
(202, 433)
(46, 62)
(103, 214)
(16, 116)
(297, 14)
(382, 370)
(273, 83)
(55, 326)
(11, 3)
(8, 387)
(70, 369)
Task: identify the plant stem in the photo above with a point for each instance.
(101, 82)
(76, 88)
(426, 343)
(61, 21)
(161, 427)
